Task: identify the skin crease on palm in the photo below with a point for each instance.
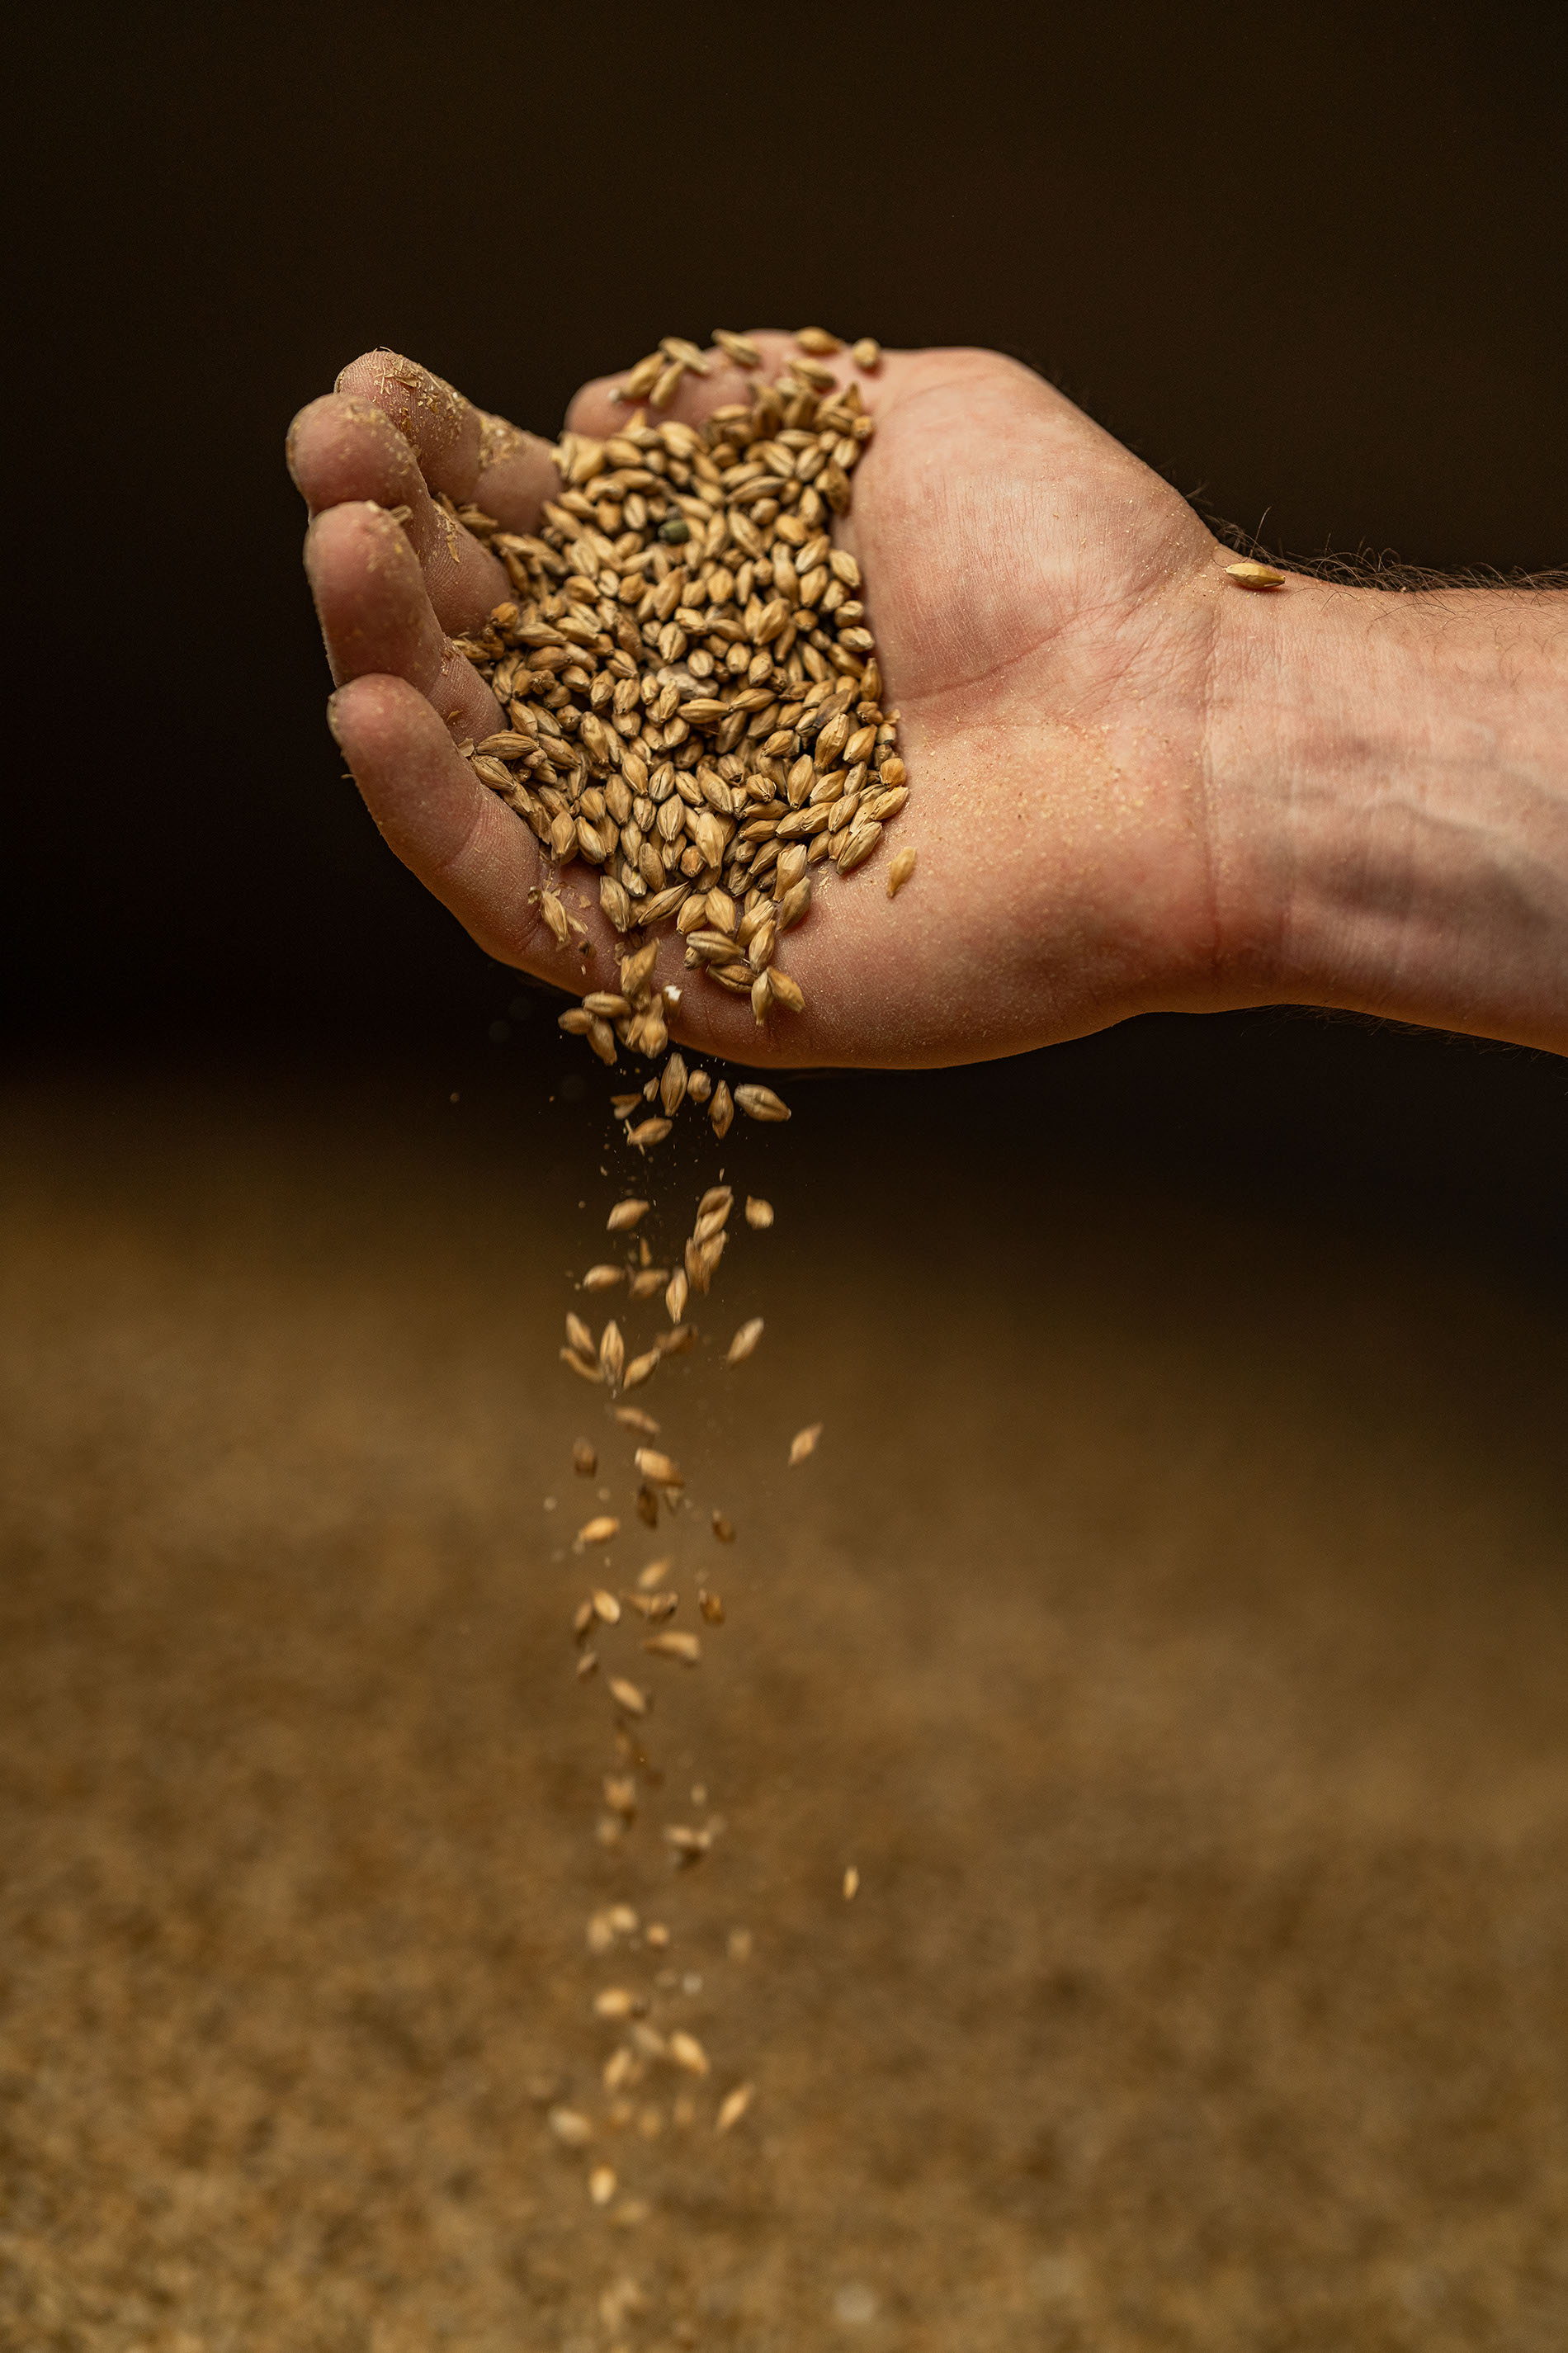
(1051, 617)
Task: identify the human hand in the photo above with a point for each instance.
(1131, 791)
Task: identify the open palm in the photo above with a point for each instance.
(1045, 608)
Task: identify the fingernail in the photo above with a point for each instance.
(333, 720)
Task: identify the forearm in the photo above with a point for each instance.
(1390, 774)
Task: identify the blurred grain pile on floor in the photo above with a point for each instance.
(1189, 1699)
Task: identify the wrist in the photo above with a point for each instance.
(1389, 804)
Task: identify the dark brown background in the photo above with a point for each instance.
(1176, 1630)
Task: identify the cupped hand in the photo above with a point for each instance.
(1046, 610)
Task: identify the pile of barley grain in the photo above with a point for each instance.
(695, 701)
(696, 711)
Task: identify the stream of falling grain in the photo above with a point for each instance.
(696, 713)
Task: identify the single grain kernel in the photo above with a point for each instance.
(733, 2106)
(745, 1341)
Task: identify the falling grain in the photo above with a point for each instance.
(733, 2106)
(627, 1697)
(804, 1442)
(603, 1278)
(687, 2053)
(851, 1885)
(584, 1457)
(744, 1342)
(625, 1215)
(599, 1530)
(723, 1527)
(617, 2001)
(761, 1103)
(684, 1647)
(658, 1467)
(759, 1213)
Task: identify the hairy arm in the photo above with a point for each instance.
(1392, 799)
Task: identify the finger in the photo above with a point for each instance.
(517, 474)
(344, 450)
(479, 860)
(444, 431)
(377, 617)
